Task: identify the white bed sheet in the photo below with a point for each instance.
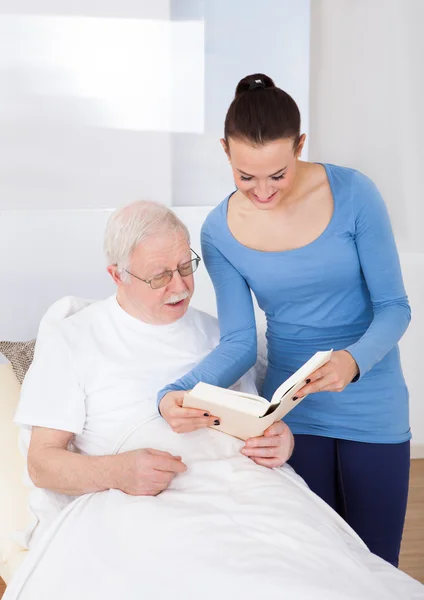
(226, 528)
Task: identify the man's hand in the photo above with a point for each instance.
(273, 448)
(183, 420)
(146, 472)
(334, 376)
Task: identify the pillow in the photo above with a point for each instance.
(16, 520)
(14, 495)
(20, 355)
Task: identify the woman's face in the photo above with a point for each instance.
(264, 174)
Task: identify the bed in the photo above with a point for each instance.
(227, 527)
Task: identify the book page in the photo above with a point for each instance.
(297, 380)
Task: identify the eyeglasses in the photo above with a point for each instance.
(159, 281)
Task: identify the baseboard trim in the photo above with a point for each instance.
(417, 449)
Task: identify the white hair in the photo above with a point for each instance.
(131, 225)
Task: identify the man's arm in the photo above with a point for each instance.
(51, 465)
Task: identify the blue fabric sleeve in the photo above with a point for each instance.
(381, 269)
(237, 350)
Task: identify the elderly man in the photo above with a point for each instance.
(225, 526)
(99, 371)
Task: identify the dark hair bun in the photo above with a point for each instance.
(254, 82)
(261, 112)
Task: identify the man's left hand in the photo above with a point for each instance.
(273, 448)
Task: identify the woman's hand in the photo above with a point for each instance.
(334, 376)
(183, 420)
(273, 448)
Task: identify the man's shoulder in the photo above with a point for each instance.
(88, 311)
(72, 316)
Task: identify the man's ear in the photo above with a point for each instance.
(226, 148)
(300, 145)
(113, 272)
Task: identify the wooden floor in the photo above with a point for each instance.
(412, 555)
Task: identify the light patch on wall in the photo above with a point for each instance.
(138, 74)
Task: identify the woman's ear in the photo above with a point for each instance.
(300, 145)
(226, 148)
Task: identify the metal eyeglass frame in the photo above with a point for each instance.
(195, 261)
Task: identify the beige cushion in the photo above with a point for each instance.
(14, 494)
(20, 355)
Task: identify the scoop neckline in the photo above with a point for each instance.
(322, 235)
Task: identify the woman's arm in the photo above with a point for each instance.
(236, 352)
(380, 266)
(382, 272)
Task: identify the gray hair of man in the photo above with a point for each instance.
(131, 225)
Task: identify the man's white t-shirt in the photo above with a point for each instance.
(97, 374)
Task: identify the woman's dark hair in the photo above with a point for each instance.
(262, 112)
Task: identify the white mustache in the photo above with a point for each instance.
(177, 298)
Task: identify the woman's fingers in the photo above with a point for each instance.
(319, 385)
(186, 425)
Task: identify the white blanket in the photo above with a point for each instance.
(226, 529)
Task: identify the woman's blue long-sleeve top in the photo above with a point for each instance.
(344, 290)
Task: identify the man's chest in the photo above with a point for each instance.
(125, 374)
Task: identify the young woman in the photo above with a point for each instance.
(314, 243)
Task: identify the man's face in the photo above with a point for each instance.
(161, 252)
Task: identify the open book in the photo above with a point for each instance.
(246, 415)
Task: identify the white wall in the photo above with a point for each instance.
(103, 103)
(366, 101)
(89, 101)
(135, 9)
(241, 37)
